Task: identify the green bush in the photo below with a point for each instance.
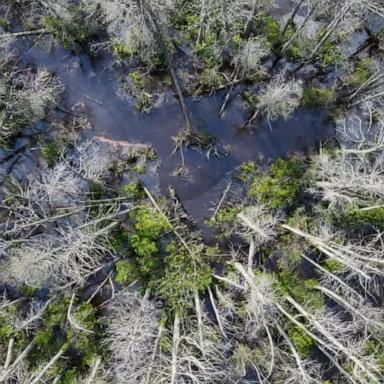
(181, 277)
(281, 186)
(355, 218)
(329, 54)
(149, 225)
(289, 283)
(4, 24)
(246, 170)
(51, 153)
(206, 50)
(363, 70)
(125, 272)
(133, 190)
(270, 29)
(317, 97)
(69, 33)
(120, 51)
(302, 342)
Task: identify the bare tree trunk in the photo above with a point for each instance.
(332, 339)
(332, 276)
(199, 317)
(249, 23)
(175, 348)
(203, 21)
(224, 9)
(212, 299)
(291, 18)
(9, 353)
(375, 78)
(153, 357)
(25, 33)
(5, 373)
(349, 307)
(49, 364)
(157, 30)
(331, 27)
(295, 354)
(93, 373)
(302, 25)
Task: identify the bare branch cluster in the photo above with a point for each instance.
(25, 97)
(348, 179)
(279, 98)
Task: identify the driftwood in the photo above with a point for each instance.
(24, 33)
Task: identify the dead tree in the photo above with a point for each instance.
(362, 260)
(279, 98)
(141, 27)
(25, 98)
(258, 225)
(347, 180)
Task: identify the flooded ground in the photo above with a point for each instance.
(114, 117)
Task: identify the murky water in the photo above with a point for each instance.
(115, 118)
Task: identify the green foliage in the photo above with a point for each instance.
(121, 51)
(139, 81)
(375, 348)
(210, 78)
(6, 330)
(294, 52)
(120, 241)
(4, 24)
(227, 215)
(208, 51)
(56, 314)
(139, 168)
(165, 344)
(125, 272)
(281, 186)
(47, 342)
(69, 377)
(149, 225)
(333, 266)
(188, 22)
(247, 169)
(317, 97)
(133, 190)
(182, 276)
(151, 154)
(289, 283)
(97, 191)
(237, 40)
(329, 54)
(302, 342)
(43, 336)
(146, 250)
(69, 32)
(143, 103)
(28, 291)
(158, 61)
(55, 334)
(51, 153)
(84, 315)
(225, 218)
(268, 27)
(355, 218)
(363, 70)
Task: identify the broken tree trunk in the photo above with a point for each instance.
(158, 32)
